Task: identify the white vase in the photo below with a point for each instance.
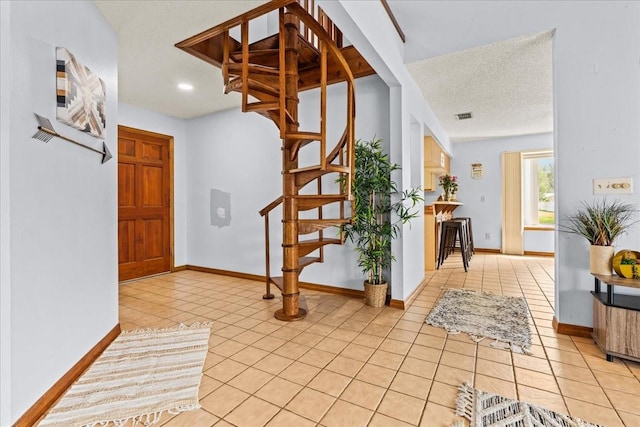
(600, 259)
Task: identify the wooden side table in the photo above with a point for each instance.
(616, 318)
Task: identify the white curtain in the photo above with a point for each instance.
(512, 221)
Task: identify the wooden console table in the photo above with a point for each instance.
(616, 318)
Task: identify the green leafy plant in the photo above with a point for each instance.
(377, 200)
(601, 222)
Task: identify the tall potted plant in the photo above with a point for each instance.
(601, 222)
(380, 210)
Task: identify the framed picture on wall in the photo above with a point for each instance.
(81, 97)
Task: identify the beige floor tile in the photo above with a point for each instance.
(495, 385)
(531, 363)
(343, 334)
(288, 419)
(444, 394)
(401, 407)
(618, 382)
(437, 415)
(368, 340)
(600, 364)
(269, 343)
(629, 419)
(249, 355)
(273, 363)
(330, 383)
(279, 391)
(226, 370)
(250, 380)
(541, 398)
(624, 401)
(411, 384)
(308, 339)
(593, 413)
(582, 391)
(402, 335)
(253, 412)
(386, 359)
(395, 346)
(430, 340)
(537, 380)
(317, 358)
(363, 394)
(358, 352)
(345, 414)
(299, 373)
(574, 373)
(418, 367)
(228, 348)
(292, 350)
(331, 345)
(345, 365)
(379, 420)
(458, 360)
(311, 404)
(453, 376)
(192, 418)
(223, 400)
(567, 357)
(425, 353)
(494, 369)
(207, 385)
(494, 354)
(461, 347)
(377, 375)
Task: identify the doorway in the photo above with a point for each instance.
(145, 203)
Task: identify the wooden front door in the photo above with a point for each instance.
(144, 200)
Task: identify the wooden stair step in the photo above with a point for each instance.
(308, 174)
(307, 260)
(306, 202)
(236, 68)
(262, 106)
(306, 226)
(256, 88)
(297, 140)
(278, 281)
(305, 247)
(258, 56)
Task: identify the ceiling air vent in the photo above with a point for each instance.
(464, 116)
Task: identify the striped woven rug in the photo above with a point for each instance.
(484, 409)
(142, 374)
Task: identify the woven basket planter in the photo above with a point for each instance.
(375, 295)
(600, 259)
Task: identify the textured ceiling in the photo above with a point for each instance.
(506, 85)
(150, 67)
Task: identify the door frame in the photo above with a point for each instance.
(172, 264)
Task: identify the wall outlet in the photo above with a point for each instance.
(622, 185)
(487, 236)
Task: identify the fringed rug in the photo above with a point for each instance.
(484, 409)
(481, 315)
(142, 374)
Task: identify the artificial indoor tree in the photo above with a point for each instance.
(379, 211)
(601, 222)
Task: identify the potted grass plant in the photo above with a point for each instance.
(601, 222)
(379, 211)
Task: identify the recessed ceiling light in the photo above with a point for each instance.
(185, 86)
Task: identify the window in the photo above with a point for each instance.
(538, 188)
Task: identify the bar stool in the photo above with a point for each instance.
(453, 231)
(472, 248)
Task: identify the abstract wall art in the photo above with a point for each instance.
(80, 94)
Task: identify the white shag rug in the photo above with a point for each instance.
(142, 374)
(484, 409)
(482, 315)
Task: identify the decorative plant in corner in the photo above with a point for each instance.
(601, 222)
(380, 210)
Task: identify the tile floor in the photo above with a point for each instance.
(347, 364)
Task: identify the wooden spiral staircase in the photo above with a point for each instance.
(305, 53)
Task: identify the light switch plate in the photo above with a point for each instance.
(622, 185)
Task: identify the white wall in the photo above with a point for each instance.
(62, 202)
(596, 93)
(487, 215)
(132, 116)
(367, 25)
(5, 241)
(239, 153)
